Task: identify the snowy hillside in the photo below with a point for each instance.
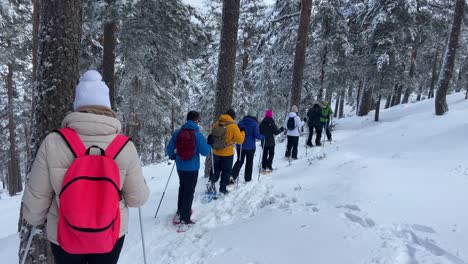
(388, 192)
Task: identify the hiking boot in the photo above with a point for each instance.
(309, 144)
(210, 187)
(232, 181)
(223, 191)
(318, 144)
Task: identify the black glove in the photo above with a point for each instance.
(242, 129)
(172, 157)
(305, 119)
(281, 129)
(210, 140)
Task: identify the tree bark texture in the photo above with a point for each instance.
(388, 101)
(57, 75)
(337, 103)
(398, 95)
(35, 38)
(350, 96)
(449, 60)
(322, 73)
(434, 76)
(14, 175)
(342, 100)
(377, 108)
(395, 89)
(227, 57)
(108, 60)
(366, 99)
(420, 90)
(358, 96)
(300, 54)
(408, 90)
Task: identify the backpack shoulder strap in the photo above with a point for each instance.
(73, 141)
(116, 146)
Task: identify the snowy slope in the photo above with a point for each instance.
(386, 192)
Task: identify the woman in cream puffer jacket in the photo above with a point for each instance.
(95, 125)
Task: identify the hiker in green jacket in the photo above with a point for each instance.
(325, 118)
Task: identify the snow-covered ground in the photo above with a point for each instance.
(393, 191)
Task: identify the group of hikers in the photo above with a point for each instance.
(87, 166)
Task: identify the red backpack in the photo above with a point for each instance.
(89, 212)
(185, 144)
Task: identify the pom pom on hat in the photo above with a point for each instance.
(252, 113)
(91, 91)
(294, 109)
(269, 113)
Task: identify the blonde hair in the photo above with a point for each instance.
(97, 110)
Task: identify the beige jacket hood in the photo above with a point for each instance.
(54, 157)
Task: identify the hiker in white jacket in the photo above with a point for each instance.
(293, 124)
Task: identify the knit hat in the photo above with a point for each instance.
(269, 113)
(91, 91)
(252, 113)
(231, 112)
(294, 109)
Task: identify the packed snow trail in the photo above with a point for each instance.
(389, 192)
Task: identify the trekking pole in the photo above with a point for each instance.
(324, 133)
(142, 236)
(239, 159)
(28, 245)
(260, 160)
(162, 197)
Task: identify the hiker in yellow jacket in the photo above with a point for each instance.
(224, 135)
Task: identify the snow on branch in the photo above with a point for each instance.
(286, 17)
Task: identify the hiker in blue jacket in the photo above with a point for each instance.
(185, 148)
(247, 150)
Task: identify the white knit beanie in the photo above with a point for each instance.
(91, 91)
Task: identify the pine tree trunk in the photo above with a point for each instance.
(337, 103)
(406, 96)
(449, 60)
(14, 174)
(245, 57)
(398, 94)
(350, 96)
(420, 90)
(35, 37)
(358, 96)
(341, 110)
(108, 59)
(394, 95)
(414, 55)
(388, 101)
(366, 99)
(434, 76)
(57, 75)
(322, 74)
(377, 109)
(227, 57)
(300, 54)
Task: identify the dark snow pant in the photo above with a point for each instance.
(249, 154)
(208, 166)
(293, 141)
(187, 183)
(62, 257)
(223, 169)
(318, 136)
(327, 130)
(268, 154)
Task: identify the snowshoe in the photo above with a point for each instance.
(185, 226)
